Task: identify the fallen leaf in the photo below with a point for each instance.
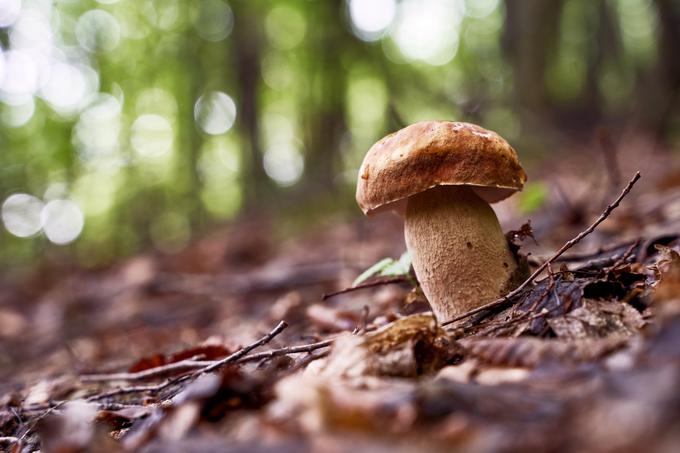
(528, 352)
(410, 346)
(598, 319)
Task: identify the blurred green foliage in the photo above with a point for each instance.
(533, 197)
(161, 118)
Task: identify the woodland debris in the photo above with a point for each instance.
(408, 347)
(530, 352)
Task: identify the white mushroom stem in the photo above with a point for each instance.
(460, 255)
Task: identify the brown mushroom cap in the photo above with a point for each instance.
(431, 153)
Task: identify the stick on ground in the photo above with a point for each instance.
(280, 327)
(370, 284)
(192, 364)
(569, 244)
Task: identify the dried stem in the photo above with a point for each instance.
(371, 284)
(182, 365)
(207, 369)
(245, 350)
(286, 351)
(190, 364)
(569, 244)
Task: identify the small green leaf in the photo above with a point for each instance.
(400, 267)
(373, 270)
(534, 195)
(386, 267)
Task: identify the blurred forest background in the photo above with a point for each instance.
(128, 124)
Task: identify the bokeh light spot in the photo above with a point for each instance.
(97, 199)
(66, 88)
(98, 30)
(285, 27)
(32, 32)
(283, 163)
(156, 100)
(152, 135)
(62, 221)
(19, 114)
(370, 18)
(9, 12)
(277, 72)
(21, 214)
(215, 112)
(164, 14)
(428, 30)
(218, 167)
(479, 9)
(21, 77)
(2, 66)
(97, 131)
(215, 20)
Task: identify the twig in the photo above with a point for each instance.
(194, 364)
(306, 360)
(505, 299)
(526, 317)
(626, 254)
(385, 281)
(286, 351)
(207, 369)
(244, 351)
(127, 390)
(34, 422)
(574, 257)
(280, 327)
(182, 365)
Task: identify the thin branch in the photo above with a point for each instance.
(526, 317)
(505, 299)
(572, 257)
(182, 365)
(127, 390)
(371, 284)
(207, 369)
(190, 364)
(286, 351)
(34, 422)
(244, 351)
(627, 254)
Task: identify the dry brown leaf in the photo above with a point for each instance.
(531, 352)
(408, 347)
(598, 319)
(206, 351)
(667, 291)
(317, 403)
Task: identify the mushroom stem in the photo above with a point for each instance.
(460, 255)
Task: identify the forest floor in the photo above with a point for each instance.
(230, 345)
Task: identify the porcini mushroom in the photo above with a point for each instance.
(443, 175)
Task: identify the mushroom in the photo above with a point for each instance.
(442, 176)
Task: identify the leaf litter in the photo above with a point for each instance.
(583, 357)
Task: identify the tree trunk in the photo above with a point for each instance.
(528, 39)
(247, 39)
(325, 121)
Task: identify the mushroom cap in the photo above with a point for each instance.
(432, 153)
